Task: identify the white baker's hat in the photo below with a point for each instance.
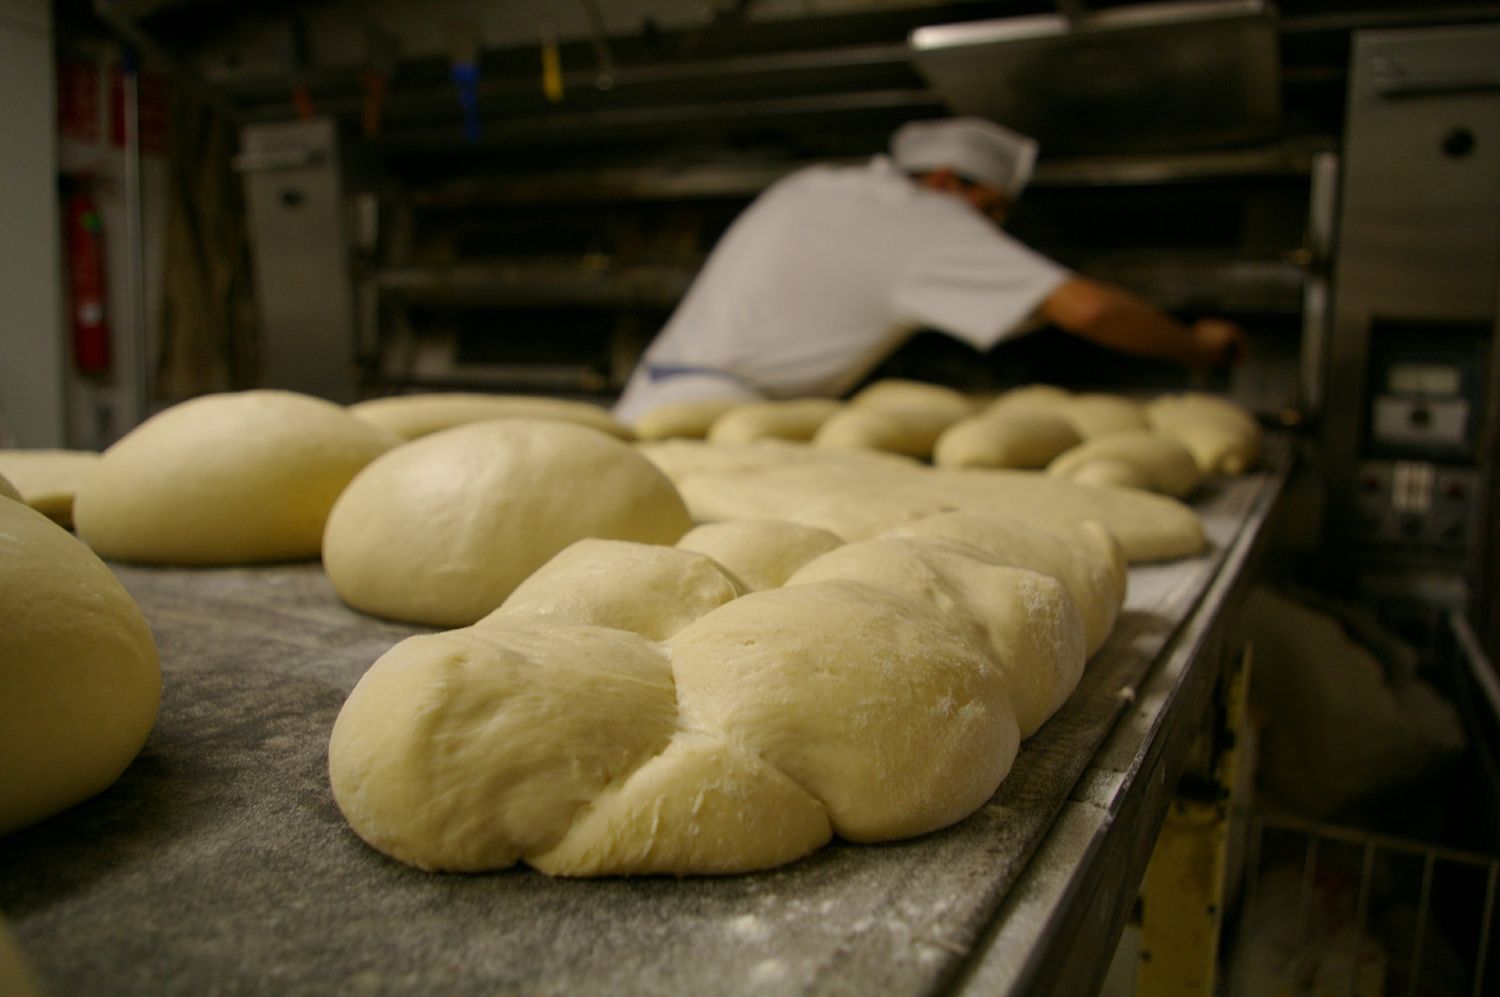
(974, 148)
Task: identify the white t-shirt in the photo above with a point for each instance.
(824, 276)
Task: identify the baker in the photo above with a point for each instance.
(832, 268)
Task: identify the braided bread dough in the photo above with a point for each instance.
(872, 697)
(468, 749)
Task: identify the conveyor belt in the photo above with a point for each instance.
(219, 862)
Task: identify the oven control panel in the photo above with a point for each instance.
(1419, 484)
(1418, 506)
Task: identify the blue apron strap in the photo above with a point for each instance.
(666, 371)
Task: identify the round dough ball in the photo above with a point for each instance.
(762, 553)
(911, 432)
(1136, 458)
(225, 479)
(414, 416)
(1019, 438)
(690, 420)
(867, 699)
(1223, 437)
(443, 529)
(647, 589)
(80, 680)
(1100, 414)
(795, 419)
(469, 749)
(1040, 398)
(894, 394)
(47, 480)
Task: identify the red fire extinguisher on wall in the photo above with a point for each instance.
(85, 246)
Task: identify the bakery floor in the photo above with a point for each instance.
(219, 863)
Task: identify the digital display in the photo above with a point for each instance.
(1428, 380)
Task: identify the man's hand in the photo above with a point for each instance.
(1120, 320)
(1218, 343)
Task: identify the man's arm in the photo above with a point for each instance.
(1121, 321)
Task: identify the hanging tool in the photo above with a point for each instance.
(301, 94)
(604, 79)
(464, 71)
(552, 79)
(382, 52)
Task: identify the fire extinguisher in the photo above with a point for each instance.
(85, 245)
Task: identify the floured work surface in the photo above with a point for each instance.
(219, 861)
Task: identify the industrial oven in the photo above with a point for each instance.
(1409, 426)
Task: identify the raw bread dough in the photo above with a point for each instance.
(8, 490)
(869, 700)
(683, 458)
(797, 419)
(881, 693)
(1149, 527)
(468, 749)
(686, 419)
(1091, 414)
(1026, 621)
(1139, 458)
(704, 805)
(80, 679)
(1017, 438)
(414, 416)
(762, 553)
(47, 480)
(877, 701)
(876, 697)
(1045, 398)
(895, 394)
(647, 589)
(1222, 437)
(857, 495)
(1085, 558)
(1099, 415)
(442, 529)
(225, 479)
(911, 432)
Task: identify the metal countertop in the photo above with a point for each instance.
(219, 862)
